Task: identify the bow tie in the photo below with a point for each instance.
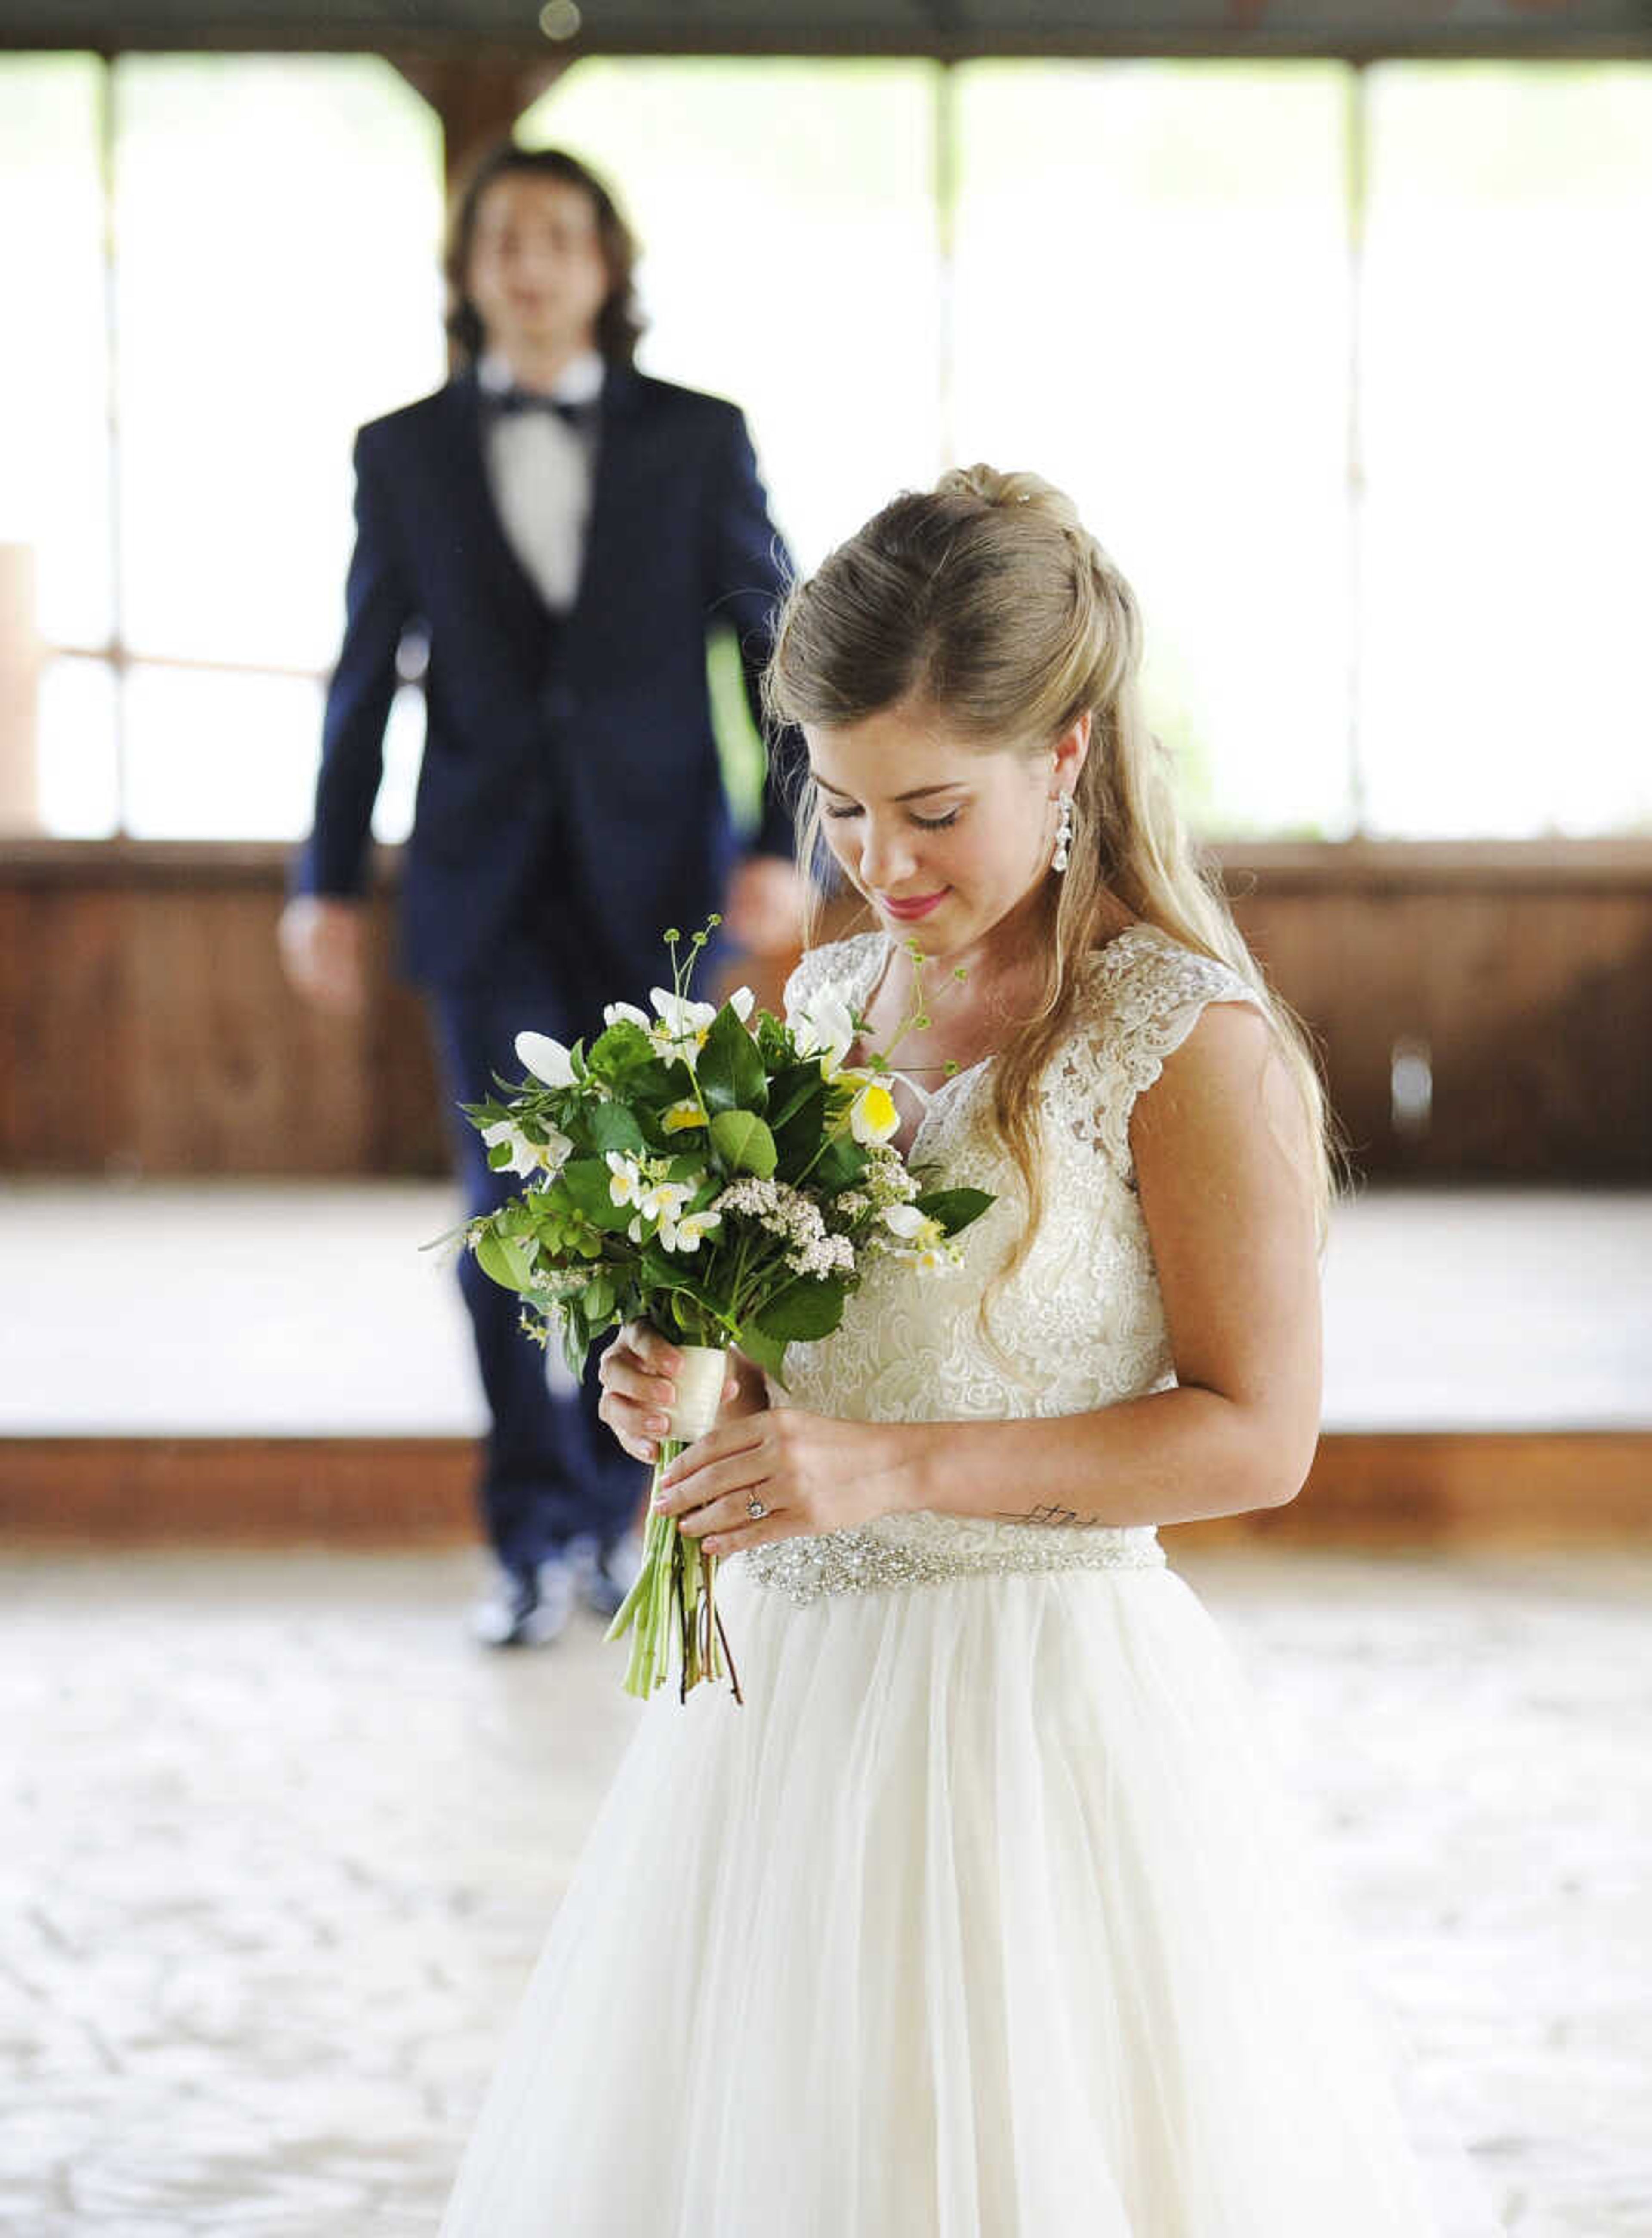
(534, 400)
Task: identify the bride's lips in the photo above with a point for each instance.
(922, 907)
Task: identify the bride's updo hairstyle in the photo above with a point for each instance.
(987, 601)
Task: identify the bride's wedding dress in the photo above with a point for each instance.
(987, 1914)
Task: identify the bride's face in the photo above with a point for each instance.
(915, 816)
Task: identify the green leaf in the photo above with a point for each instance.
(729, 1069)
(769, 1352)
(954, 1209)
(585, 1181)
(805, 1309)
(842, 1164)
(618, 1048)
(613, 1127)
(742, 1138)
(792, 1088)
(504, 1261)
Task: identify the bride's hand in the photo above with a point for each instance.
(636, 1374)
(808, 1471)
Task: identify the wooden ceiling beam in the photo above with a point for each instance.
(478, 98)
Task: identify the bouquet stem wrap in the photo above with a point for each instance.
(673, 1603)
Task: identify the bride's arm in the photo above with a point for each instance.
(1220, 1144)
(1220, 1149)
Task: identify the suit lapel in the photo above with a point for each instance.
(477, 528)
(604, 555)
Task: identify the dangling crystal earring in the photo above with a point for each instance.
(1064, 833)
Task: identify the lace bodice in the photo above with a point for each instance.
(1080, 1324)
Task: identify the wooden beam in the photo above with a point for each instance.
(478, 98)
(1388, 1490)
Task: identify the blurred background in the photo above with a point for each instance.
(1334, 321)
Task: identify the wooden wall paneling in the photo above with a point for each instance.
(71, 1058)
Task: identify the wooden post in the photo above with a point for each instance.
(20, 664)
(479, 99)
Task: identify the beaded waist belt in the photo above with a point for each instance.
(865, 1561)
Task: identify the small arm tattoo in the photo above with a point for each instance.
(1053, 1519)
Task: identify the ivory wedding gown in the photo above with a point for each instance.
(987, 1916)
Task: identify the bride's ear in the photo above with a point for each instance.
(1070, 748)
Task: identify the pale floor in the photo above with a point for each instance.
(232, 1307)
(281, 1849)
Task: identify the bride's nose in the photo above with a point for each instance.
(887, 857)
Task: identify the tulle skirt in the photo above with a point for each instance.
(987, 1916)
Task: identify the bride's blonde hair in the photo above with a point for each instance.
(987, 600)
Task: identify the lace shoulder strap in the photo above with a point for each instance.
(1147, 995)
(848, 967)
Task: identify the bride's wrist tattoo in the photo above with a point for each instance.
(1053, 1519)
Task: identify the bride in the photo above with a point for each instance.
(987, 1916)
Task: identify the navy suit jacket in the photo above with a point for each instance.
(575, 754)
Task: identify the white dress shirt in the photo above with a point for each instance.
(540, 471)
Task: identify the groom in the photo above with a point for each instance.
(560, 530)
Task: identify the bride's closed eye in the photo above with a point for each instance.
(923, 822)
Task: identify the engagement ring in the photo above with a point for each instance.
(756, 1509)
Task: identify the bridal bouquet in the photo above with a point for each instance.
(727, 1178)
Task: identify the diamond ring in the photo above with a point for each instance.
(756, 1509)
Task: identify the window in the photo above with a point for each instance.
(1345, 366)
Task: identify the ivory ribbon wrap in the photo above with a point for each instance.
(699, 1390)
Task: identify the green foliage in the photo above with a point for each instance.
(740, 1138)
(586, 1181)
(804, 1310)
(728, 1070)
(614, 1127)
(954, 1209)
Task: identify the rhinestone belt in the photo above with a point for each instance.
(860, 1561)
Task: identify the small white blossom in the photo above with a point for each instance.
(528, 1157)
(688, 1234)
(547, 1060)
(625, 1178)
(678, 1117)
(825, 1029)
(616, 1013)
(872, 1116)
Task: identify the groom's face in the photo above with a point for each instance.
(537, 273)
(913, 814)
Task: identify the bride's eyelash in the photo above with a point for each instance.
(923, 822)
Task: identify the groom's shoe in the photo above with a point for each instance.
(527, 1611)
(603, 1575)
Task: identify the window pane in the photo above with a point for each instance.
(219, 757)
(1509, 362)
(786, 213)
(79, 794)
(279, 229)
(54, 440)
(1151, 310)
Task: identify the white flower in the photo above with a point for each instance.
(826, 1028)
(678, 1117)
(683, 1024)
(528, 1157)
(924, 1243)
(547, 1060)
(614, 1012)
(625, 1182)
(872, 1116)
(661, 1201)
(689, 1233)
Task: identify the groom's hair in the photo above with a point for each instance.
(619, 322)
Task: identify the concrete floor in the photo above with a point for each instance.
(237, 1308)
(282, 1847)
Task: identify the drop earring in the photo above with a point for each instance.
(1064, 833)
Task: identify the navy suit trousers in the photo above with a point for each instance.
(551, 1470)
